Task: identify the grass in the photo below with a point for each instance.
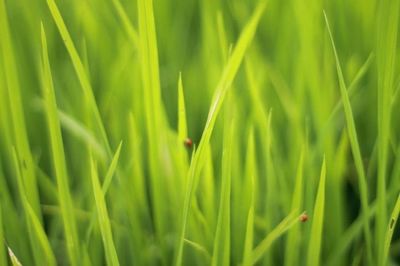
(154, 132)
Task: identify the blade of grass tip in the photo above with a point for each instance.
(355, 147)
(390, 229)
(14, 260)
(3, 260)
(40, 244)
(277, 232)
(16, 110)
(103, 219)
(387, 27)
(80, 71)
(182, 124)
(226, 80)
(250, 175)
(106, 184)
(58, 154)
(314, 246)
(199, 248)
(292, 243)
(221, 248)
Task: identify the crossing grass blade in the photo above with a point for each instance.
(390, 230)
(315, 241)
(58, 156)
(277, 232)
(103, 219)
(225, 82)
(355, 147)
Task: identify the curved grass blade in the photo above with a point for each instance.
(58, 156)
(355, 147)
(314, 246)
(225, 82)
(390, 229)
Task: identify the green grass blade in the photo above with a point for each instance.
(2, 253)
(13, 258)
(58, 156)
(127, 24)
(103, 219)
(390, 229)
(355, 147)
(226, 80)
(388, 17)
(221, 250)
(315, 244)
(182, 124)
(80, 71)
(292, 243)
(277, 232)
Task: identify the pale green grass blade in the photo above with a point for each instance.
(2, 253)
(200, 249)
(388, 17)
(221, 250)
(13, 258)
(277, 232)
(58, 156)
(250, 176)
(226, 80)
(13, 91)
(315, 241)
(182, 124)
(292, 251)
(80, 71)
(103, 219)
(390, 230)
(355, 147)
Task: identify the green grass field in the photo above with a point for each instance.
(212, 132)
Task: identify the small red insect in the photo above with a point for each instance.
(303, 218)
(188, 143)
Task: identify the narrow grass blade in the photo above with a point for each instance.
(80, 71)
(13, 258)
(278, 231)
(2, 253)
(292, 242)
(221, 251)
(182, 124)
(390, 229)
(355, 147)
(59, 162)
(225, 82)
(103, 219)
(315, 244)
(388, 17)
(16, 110)
(127, 24)
(200, 249)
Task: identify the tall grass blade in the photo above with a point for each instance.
(390, 229)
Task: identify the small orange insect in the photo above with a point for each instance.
(188, 143)
(303, 218)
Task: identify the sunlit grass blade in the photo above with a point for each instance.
(315, 241)
(80, 71)
(292, 242)
(13, 258)
(277, 232)
(355, 147)
(103, 219)
(182, 124)
(2, 253)
(200, 249)
(390, 230)
(58, 156)
(16, 110)
(221, 250)
(386, 51)
(39, 241)
(226, 80)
